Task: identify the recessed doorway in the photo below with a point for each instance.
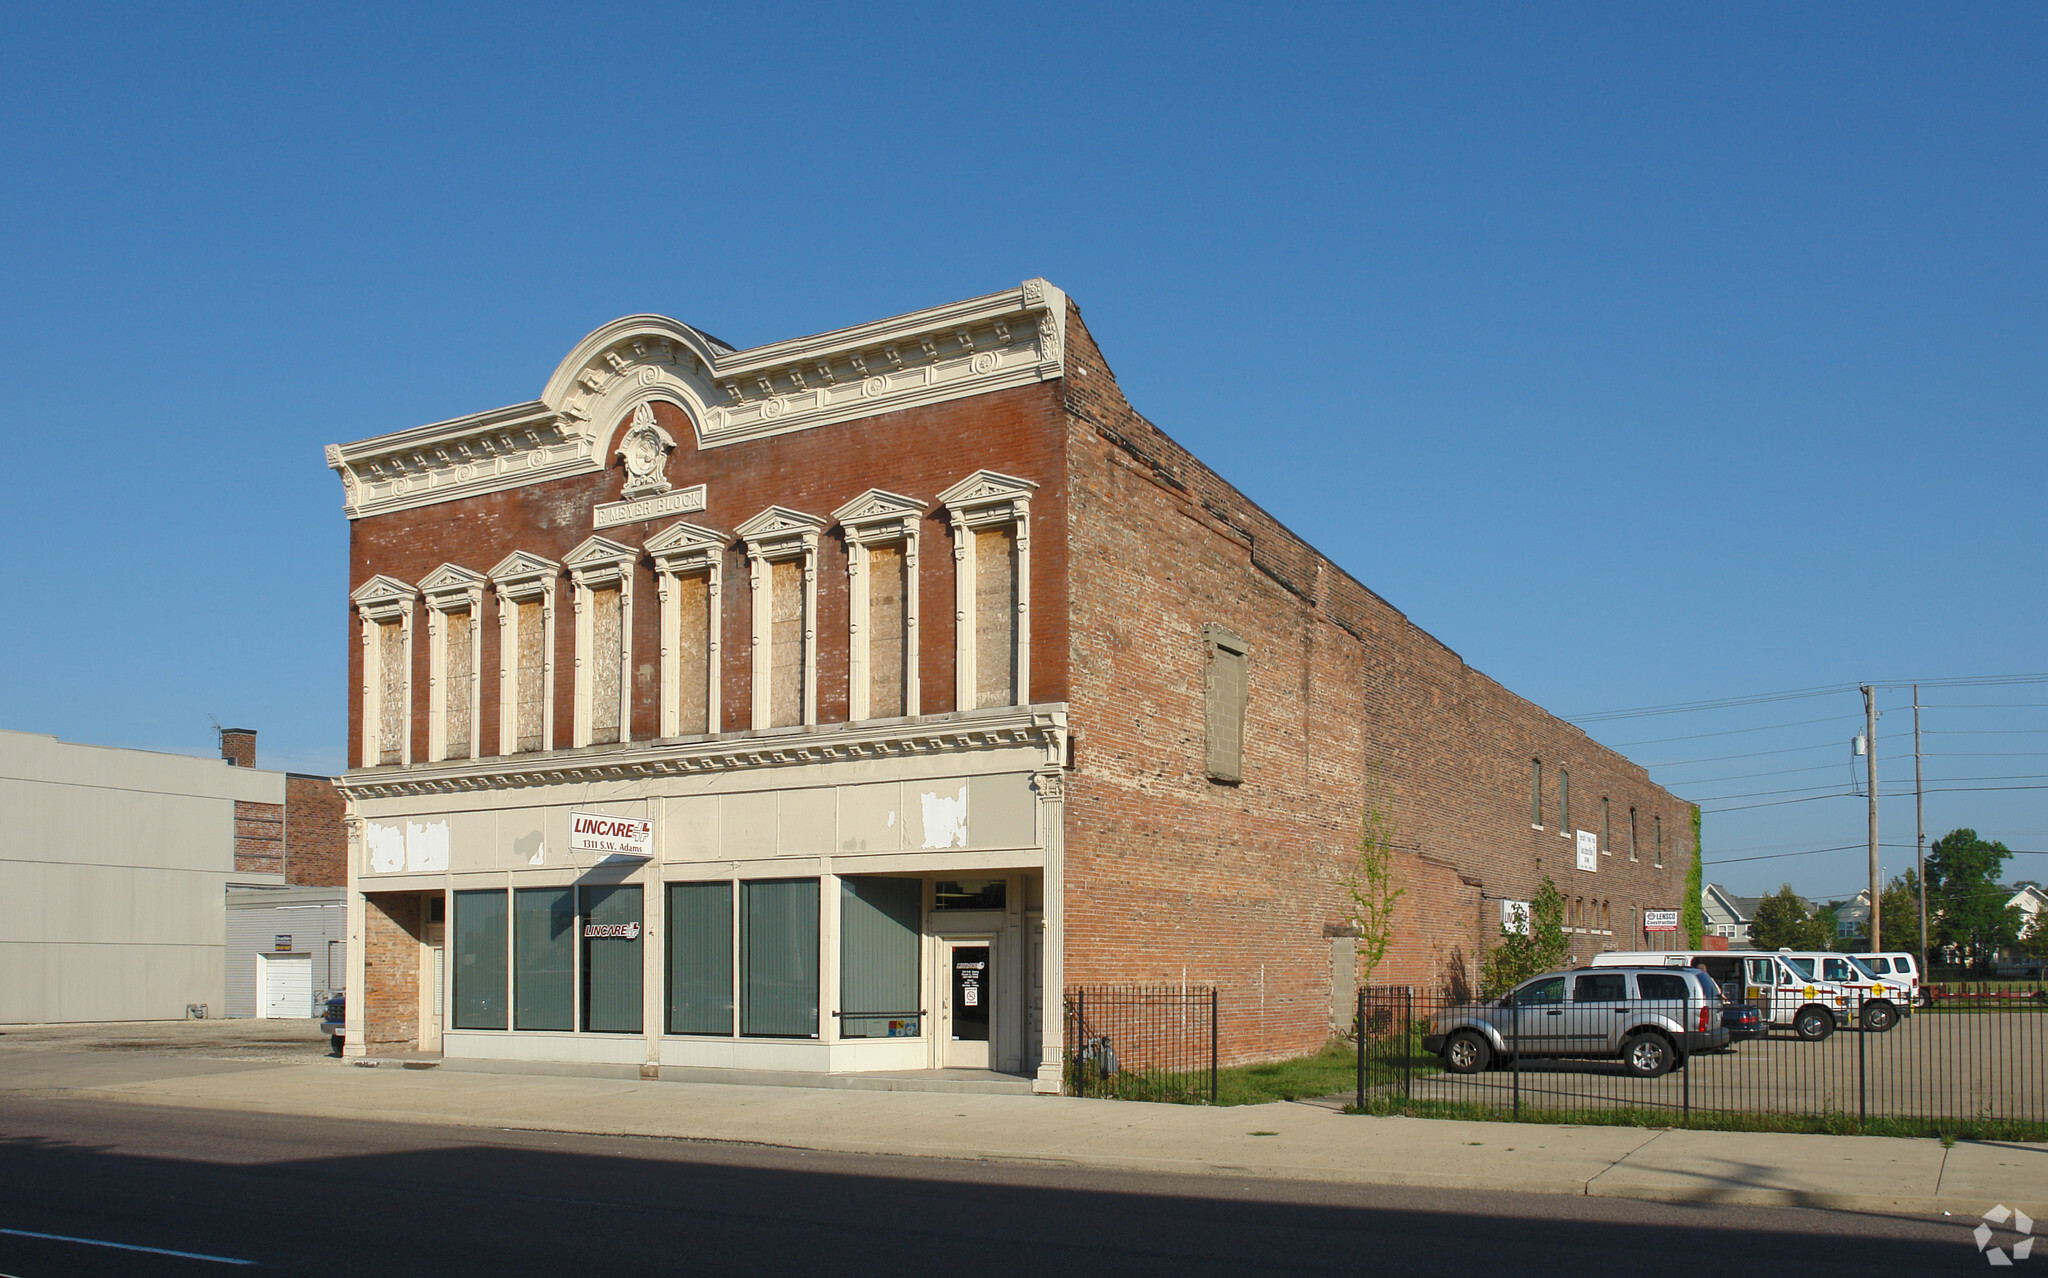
(969, 976)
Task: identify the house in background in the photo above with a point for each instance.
(1728, 915)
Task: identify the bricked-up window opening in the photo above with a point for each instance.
(1226, 689)
(605, 670)
(1606, 828)
(480, 960)
(460, 651)
(700, 958)
(888, 631)
(392, 692)
(995, 616)
(530, 678)
(1536, 793)
(1564, 800)
(786, 644)
(1632, 833)
(692, 645)
(1657, 825)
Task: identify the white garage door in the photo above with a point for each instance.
(284, 986)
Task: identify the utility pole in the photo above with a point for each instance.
(1919, 831)
(1870, 765)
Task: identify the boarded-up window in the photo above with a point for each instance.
(460, 628)
(527, 676)
(693, 653)
(887, 625)
(1225, 703)
(786, 644)
(391, 692)
(995, 616)
(604, 665)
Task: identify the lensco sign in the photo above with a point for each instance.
(614, 836)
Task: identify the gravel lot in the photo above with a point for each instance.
(239, 1040)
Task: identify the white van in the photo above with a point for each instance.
(1791, 990)
(1895, 966)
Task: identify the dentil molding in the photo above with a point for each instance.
(972, 347)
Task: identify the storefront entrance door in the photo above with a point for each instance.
(971, 990)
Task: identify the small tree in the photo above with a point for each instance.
(1521, 955)
(1371, 885)
(1964, 893)
(1899, 912)
(1782, 921)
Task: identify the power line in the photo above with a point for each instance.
(1729, 732)
(1724, 703)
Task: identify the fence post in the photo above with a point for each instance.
(1685, 1085)
(1515, 1057)
(1080, 1041)
(1212, 1045)
(1407, 1055)
(1358, 1028)
(1862, 1086)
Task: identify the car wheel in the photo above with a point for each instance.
(1813, 1023)
(334, 1043)
(1466, 1053)
(1879, 1017)
(1648, 1055)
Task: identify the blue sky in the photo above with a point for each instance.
(1643, 356)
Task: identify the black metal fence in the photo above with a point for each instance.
(1138, 1042)
(1953, 1066)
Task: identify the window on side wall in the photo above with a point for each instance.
(1657, 822)
(1536, 793)
(1227, 688)
(1564, 801)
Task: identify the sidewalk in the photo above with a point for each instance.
(1290, 1141)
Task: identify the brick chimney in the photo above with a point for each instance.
(238, 746)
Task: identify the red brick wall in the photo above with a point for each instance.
(393, 924)
(315, 840)
(259, 837)
(917, 452)
(1170, 875)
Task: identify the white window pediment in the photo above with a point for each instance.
(988, 497)
(383, 598)
(878, 515)
(520, 575)
(452, 587)
(686, 547)
(779, 532)
(598, 560)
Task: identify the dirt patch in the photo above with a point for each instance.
(241, 1040)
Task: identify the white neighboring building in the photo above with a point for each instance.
(114, 871)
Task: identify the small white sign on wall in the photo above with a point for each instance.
(611, 835)
(1514, 917)
(1589, 850)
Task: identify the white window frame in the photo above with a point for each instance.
(522, 578)
(878, 518)
(988, 499)
(777, 535)
(452, 589)
(380, 601)
(599, 562)
(685, 550)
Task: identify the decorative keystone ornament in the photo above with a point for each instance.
(645, 449)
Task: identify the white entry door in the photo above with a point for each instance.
(284, 986)
(966, 997)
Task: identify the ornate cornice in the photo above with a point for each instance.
(964, 348)
(1041, 727)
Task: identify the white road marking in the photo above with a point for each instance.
(154, 1251)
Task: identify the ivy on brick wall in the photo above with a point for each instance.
(1695, 913)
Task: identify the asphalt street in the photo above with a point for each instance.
(249, 1193)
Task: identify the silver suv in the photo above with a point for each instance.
(1650, 1018)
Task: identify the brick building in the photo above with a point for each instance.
(830, 705)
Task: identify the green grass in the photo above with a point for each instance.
(1331, 1071)
(1948, 1130)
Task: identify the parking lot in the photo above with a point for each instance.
(237, 1040)
(1979, 1065)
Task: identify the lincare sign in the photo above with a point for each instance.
(610, 835)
